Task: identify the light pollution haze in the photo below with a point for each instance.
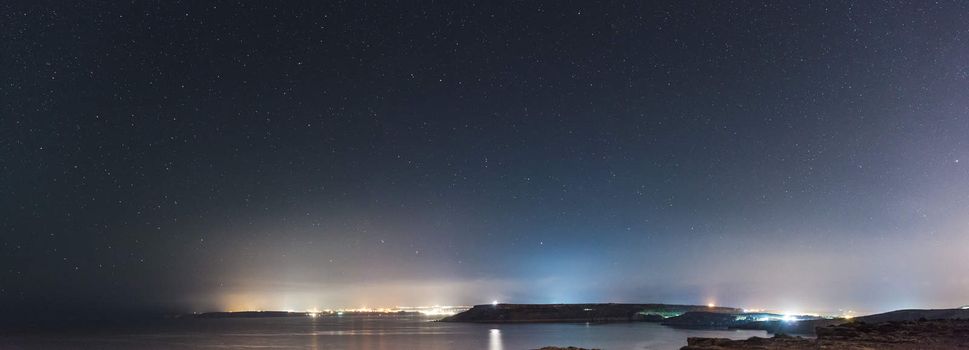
(173, 157)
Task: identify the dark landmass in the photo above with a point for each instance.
(915, 315)
(713, 320)
(521, 313)
(804, 327)
(778, 342)
(810, 326)
(703, 319)
(892, 335)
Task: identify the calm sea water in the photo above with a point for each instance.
(357, 332)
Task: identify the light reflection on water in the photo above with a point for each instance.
(357, 333)
(494, 339)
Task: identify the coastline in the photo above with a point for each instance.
(891, 335)
(579, 313)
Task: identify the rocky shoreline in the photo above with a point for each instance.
(892, 335)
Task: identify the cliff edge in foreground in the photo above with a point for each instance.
(895, 335)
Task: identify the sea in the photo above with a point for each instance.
(355, 333)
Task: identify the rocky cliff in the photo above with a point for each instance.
(894, 335)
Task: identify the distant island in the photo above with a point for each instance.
(611, 312)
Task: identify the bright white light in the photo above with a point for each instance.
(788, 318)
(710, 305)
(494, 302)
(494, 340)
(437, 311)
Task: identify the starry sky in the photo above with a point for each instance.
(169, 156)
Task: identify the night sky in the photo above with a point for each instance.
(179, 156)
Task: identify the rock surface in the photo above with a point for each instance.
(895, 335)
(777, 342)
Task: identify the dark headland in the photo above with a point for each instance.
(901, 329)
(522, 313)
(895, 330)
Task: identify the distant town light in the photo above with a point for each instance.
(437, 311)
(494, 302)
(710, 305)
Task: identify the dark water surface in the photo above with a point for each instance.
(356, 332)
